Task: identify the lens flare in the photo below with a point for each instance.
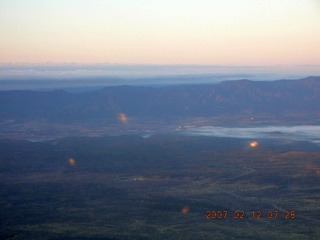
(123, 118)
(72, 161)
(185, 210)
(254, 144)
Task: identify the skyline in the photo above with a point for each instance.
(249, 33)
(54, 76)
(207, 73)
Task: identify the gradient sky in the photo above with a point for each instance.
(230, 32)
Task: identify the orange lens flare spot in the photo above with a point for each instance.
(72, 161)
(185, 210)
(254, 144)
(123, 118)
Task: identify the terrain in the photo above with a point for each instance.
(158, 109)
(162, 187)
(234, 160)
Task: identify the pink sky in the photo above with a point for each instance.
(214, 32)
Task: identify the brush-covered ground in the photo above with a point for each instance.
(161, 187)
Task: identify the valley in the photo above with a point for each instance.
(129, 187)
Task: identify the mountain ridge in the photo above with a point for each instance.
(280, 98)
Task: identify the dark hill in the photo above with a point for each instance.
(294, 98)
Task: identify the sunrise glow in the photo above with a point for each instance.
(161, 32)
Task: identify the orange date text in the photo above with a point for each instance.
(254, 214)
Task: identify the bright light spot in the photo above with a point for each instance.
(254, 144)
(185, 210)
(72, 161)
(123, 118)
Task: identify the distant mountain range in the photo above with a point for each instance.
(282, 98)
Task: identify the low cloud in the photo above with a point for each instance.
(295, 133)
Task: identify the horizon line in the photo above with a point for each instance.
(49, 63)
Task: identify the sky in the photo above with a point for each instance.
(188, 32)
